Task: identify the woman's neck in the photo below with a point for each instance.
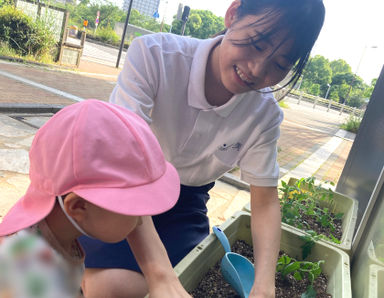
(215, 92)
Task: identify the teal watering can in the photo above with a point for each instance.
(237, 270)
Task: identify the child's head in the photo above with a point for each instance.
(97, 155)
(92, 220)
(266, 39)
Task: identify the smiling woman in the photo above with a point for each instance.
(210, 105)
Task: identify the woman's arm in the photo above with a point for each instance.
(266, 232)
(153, 260)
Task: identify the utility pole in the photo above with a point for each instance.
(123, 35)
(184, 18)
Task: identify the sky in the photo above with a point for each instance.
(353, 30)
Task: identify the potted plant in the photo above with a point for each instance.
(195, 265)
(307, 206)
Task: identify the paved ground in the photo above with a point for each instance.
(304, 132)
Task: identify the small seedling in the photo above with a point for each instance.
(303, 199)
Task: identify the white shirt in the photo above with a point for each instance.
(163, 81)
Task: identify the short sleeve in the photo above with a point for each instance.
(259, 165)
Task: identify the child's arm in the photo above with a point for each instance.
(266, 231)
(153, 260)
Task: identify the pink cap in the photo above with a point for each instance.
(104, 153)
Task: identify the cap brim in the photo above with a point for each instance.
(28, 210)
(149, 199)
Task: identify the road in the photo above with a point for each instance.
(99, 53)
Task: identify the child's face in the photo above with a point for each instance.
(252, 66)
(108, 226)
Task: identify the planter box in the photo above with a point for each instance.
(376, 282)
(343, 204)
(196, 264)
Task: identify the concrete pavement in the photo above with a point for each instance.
(305, 133)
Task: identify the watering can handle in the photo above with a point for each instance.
(223, 239)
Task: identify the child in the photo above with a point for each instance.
(95, 169)
(211, 108)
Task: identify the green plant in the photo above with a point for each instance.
(300, 270)
(107, 34)
(24, 35)
(352, 124)
(301, 201)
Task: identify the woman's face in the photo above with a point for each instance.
(253, 66)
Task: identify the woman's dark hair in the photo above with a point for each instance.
(302, 21)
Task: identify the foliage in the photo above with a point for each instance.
(86, 10)
(107, 34)
(352, 124)
(340, 66)
(201, 24)
(318, 71)
(24, 35)
(309, 241)
(303, 198)
(300, 270)
(345, 86)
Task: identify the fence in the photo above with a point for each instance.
(55, 18)
(319, 101)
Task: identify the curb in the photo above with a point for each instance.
(34, 108)
(25, 61)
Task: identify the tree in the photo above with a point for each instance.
(318, 71)
(340, 66)
(201, 24)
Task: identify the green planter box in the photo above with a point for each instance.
(343, 204)
(196, 264)
(376, 282)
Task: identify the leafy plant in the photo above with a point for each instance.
(107, 34)
(352, 124)
(300, 270)
(24, 35)
(309, 242)
(303, 198)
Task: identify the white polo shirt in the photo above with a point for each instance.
(163, 81)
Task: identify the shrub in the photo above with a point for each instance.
(22, 34)
(107, 34)
(352, 124)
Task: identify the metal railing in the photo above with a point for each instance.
(319, 101)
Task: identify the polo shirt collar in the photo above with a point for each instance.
(196, 94)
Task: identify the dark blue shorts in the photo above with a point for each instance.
(180, 229)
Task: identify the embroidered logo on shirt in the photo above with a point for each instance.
(234, 146)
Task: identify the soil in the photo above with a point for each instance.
(319, 229)
(214, 285)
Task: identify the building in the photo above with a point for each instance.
(145, 7)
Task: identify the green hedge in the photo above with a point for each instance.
(24, 35)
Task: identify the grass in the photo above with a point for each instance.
(5, 50)
(352, 124)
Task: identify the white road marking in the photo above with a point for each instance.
(41, 86)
